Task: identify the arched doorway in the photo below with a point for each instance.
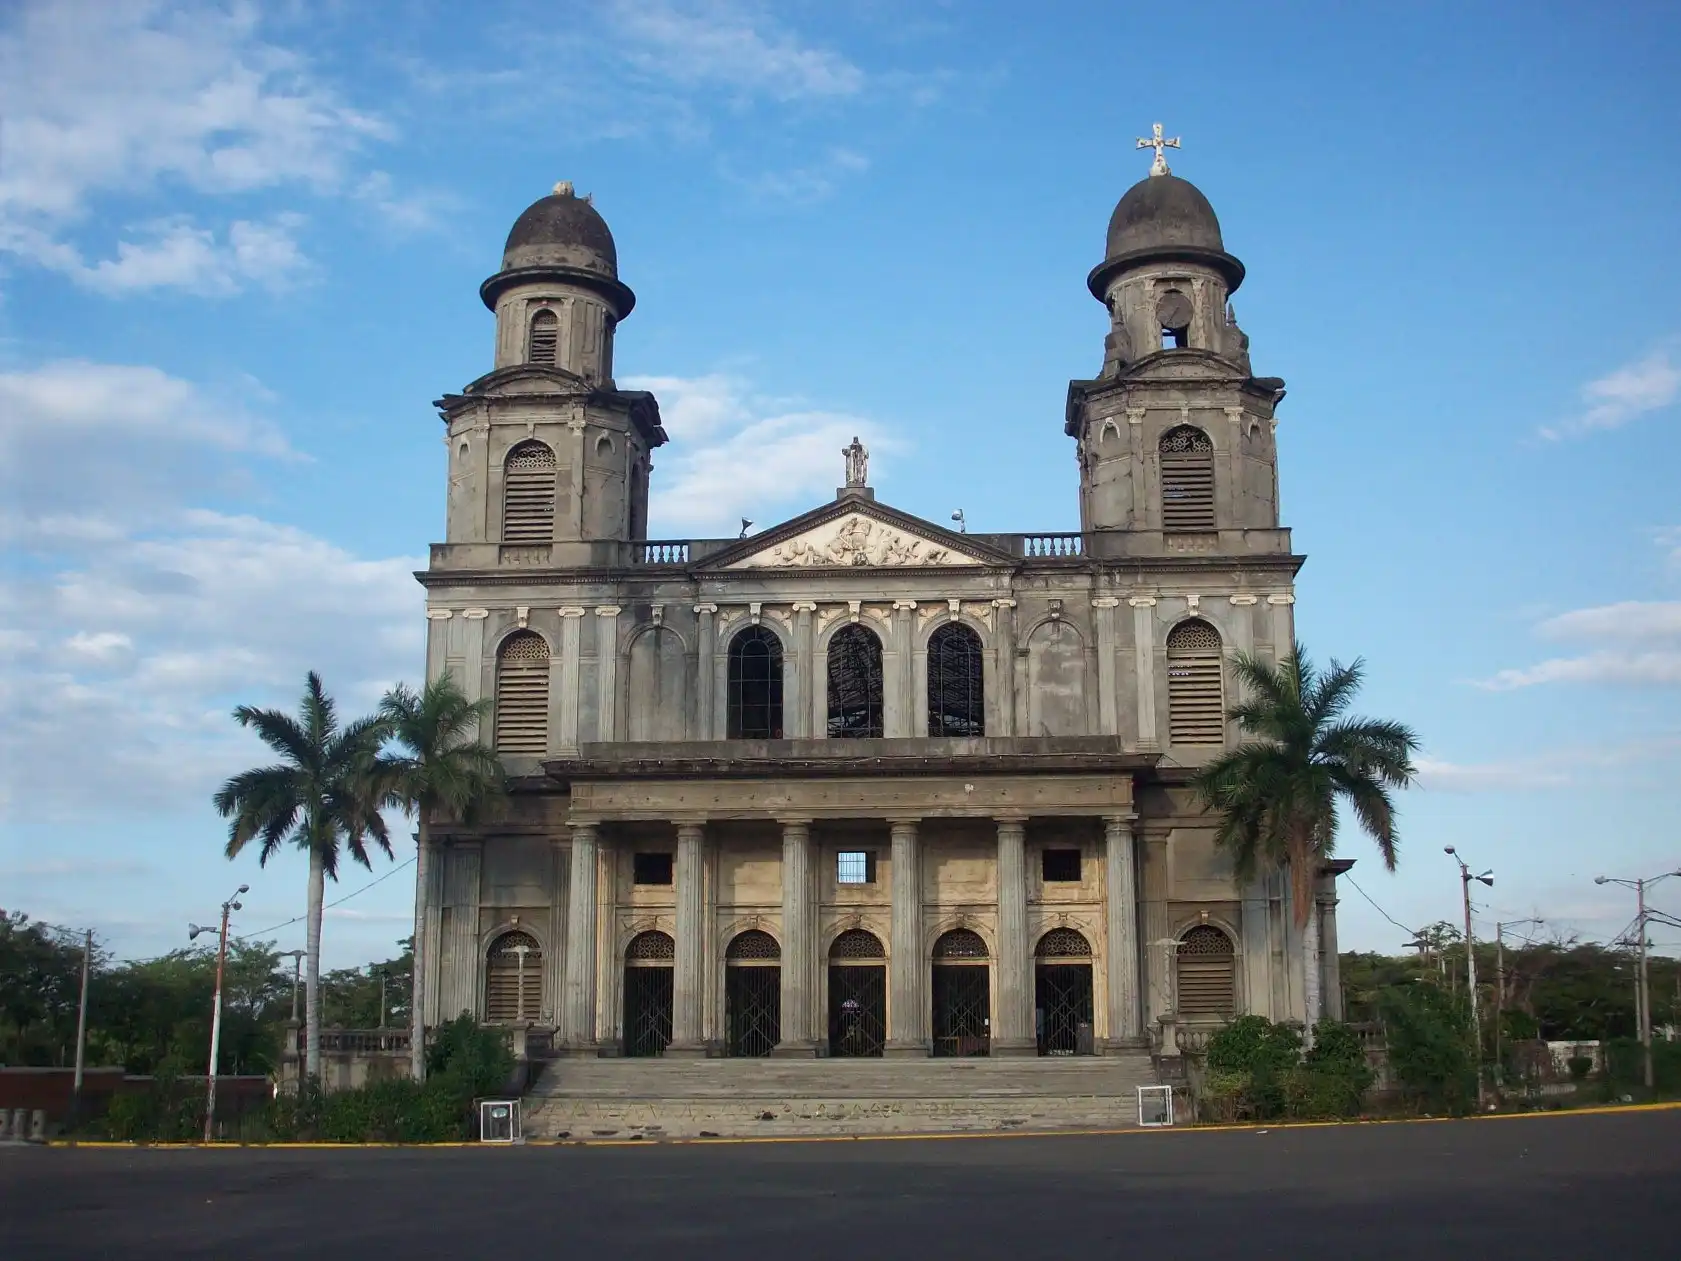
(857, 994)
(962, 994)
(752, 994)
(513, 980)
(1062, 1000)
(648, 963)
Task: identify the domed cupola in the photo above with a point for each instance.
(1163, 218)
(558, 297)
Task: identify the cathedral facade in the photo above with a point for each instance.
(858, 784)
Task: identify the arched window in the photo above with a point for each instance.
(513, 979)
(651, 947)
(753, 946)
(1196, 711)
(1187, 459)
(855, 685)
(956, 691)
(528, 480)
(856, 943)
(960, 945)
(543, 338)
(522, 694)
(1062, 943)
(1207, 977)
(755, 686)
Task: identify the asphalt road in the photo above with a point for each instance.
(1585, 1187)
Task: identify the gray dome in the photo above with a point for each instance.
(1163, 211)
(561, 230)
(1160, 218)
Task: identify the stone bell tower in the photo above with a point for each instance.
(1175, 436)
(549, 460)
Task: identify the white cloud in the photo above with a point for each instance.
(1637, 642)
(734, 455)
(131, 98)
(727, 46)
(804, 185)
(1624, 393)
(1558, 768)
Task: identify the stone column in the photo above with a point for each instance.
(687, 981)
(563, 686)
(1103, 612)
(1159, 950)
(578, 1016)
(799, 941)
(900, 707)
(706, 653)
(1330, 967)
(907, 1015)
(554, 980)
(577, 427)
(1012, 1026)
(1121, 902)
(800, 707)
(1004, 687)
(1283, 624)
(1143, 644)
(607, 672)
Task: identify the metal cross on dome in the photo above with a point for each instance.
(1159, 166)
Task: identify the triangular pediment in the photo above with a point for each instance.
(857, 534)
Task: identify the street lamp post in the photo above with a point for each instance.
(1642, 987)
(1466, 875)
(193, 930)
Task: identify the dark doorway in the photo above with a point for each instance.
(752, 994)
(648, 964)
(962, 1000)
(857, 994)
(1062, 1008)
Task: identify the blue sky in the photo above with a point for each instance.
(239, 253)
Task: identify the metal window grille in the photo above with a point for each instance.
(651, 947)
(855, 685)
(755, 685)
(855, 867)
(1062, 1007)
(960, 945)
(857, 1002)
(855, 943)
(956, 685)
(1063, 943)
(513, 979)
(528, 494)
(753, 946)
(648, 1001)
(522, 694)
(962, 1010)
(1206, 974)
(1196, 710)
(1060, 866)
(543, 338)
(1187, 464)
(752, 1009)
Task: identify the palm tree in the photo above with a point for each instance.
(442, 768)
(324, 792)
(1277, 793)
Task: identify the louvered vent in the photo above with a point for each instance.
(1195, 702)
(522, 694)
(528, 494)
(513, 980)
(1207, 985)
(543, 338)
(1187, 480)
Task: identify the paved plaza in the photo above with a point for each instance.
(1586, 1186)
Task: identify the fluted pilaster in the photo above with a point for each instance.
(1013, 1026)
(907, 1016)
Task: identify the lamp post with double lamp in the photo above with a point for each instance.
(1466, 875)
(1642, 988)
(193, 930)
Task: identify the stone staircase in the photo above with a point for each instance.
(682, 1098)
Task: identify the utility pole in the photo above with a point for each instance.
(1465, 878)
(82, 1026)
(1500, 987)
(1642, 990)
(297, 958)
(216, 1010)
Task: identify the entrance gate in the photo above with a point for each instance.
(648, 963)
(962, 1006)
(857, 995)
(1062, 992)
(752, 994)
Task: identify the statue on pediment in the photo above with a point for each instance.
(857, 463)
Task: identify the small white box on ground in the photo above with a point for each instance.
(1155, 1105)
(499, 1121)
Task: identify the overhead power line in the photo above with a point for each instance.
(1386, 915)
(263, 932)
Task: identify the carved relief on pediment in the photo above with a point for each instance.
(854, 540)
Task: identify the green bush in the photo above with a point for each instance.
(1262, 1052)
(1580, 1066)
(1426, 1030)
(1625, 1071)
(1224, 1097)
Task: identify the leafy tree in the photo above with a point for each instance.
(1277, 793)
(40, 991)
(325, 793)
(1424, 1029)
(441, 769)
